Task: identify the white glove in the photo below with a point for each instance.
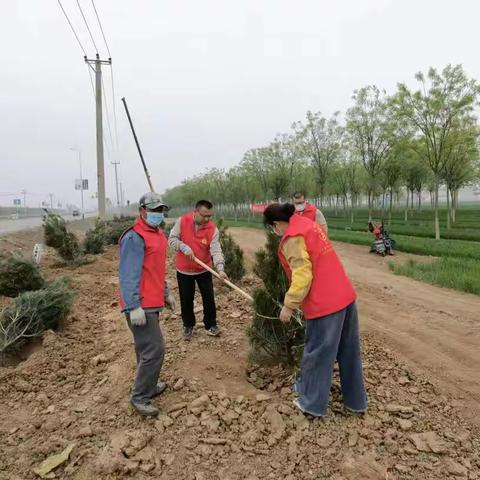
(170, 302)
(187, 251)
(138, 317)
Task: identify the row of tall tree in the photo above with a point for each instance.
(412, 141)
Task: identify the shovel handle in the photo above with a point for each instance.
(227, 282)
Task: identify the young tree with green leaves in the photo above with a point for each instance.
(371, 130)
(321, 141)
(444, 101)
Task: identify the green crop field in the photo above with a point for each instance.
(458, 265)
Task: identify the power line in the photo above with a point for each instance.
(114, 109)
(88, 28)
(101, 29)
(108, 114)
(71, 26)
(91, 79)
(111, 71)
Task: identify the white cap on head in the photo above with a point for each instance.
(151, 200)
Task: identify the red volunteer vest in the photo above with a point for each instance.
(309, 212)
(331, 290)
(152, 283)
(199, 241)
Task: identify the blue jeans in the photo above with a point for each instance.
(330, 338)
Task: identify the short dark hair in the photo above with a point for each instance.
(204, 203)
(278, 212)
(299, 194)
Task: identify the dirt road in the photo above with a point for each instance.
(435, 330)
(221, 419)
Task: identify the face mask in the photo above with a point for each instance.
(155, 219)
(274, 231)
(300, 207)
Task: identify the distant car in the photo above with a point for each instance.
(13, 216)
(76, 213)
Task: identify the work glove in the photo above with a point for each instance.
(170, 302)
(138, 317)
(187, 251)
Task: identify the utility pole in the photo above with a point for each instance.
(116, 182)
(122, 196)
(24, 202)
(98, 101)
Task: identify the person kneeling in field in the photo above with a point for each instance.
(321, 288)
(144, 293)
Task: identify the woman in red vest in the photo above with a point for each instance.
(319, 287)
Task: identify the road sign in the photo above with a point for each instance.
(17, 201)
(78, 184)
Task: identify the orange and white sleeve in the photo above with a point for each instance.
(298, 259)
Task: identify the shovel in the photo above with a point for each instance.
(227, 282)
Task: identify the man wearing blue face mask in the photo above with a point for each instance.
(144, 293)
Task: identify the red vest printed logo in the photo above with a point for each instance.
(199, 240)
(152, 283)
(331, 290)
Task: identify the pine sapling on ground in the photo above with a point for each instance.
(33, 313)
(283, 343)
(234, 262)
(63, 241)
(95, 238)
(18, 274)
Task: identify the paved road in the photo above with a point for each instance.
(10, 226)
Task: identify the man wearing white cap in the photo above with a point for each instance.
(144, 293)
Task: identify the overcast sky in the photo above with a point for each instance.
(205, 80)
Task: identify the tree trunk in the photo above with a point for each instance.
(454, 205)
(369, 206)
(391, 207)
(448, 209)
(435, 206)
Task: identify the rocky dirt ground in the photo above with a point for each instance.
(221, 419)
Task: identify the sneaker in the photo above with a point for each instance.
(187, 333)
(145, 409)
(213, 331)
(161, 387)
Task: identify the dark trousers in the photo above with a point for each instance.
(186, 289)
(330, 338)
(150, 351)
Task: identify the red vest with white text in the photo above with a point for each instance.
(198, 240)
(152, 283)
(331, 290)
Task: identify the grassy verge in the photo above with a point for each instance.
(405, 243)
(458, 266)
(456, 273)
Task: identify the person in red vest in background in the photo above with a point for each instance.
(306, 209)
(319, 287)
(144, 293)
(195, 235)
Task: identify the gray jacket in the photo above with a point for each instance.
(175, 242)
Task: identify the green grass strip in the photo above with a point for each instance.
(457, 273)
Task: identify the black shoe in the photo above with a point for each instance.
(213, 331)
(161, 387)
(145, 409)
(187, 333)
